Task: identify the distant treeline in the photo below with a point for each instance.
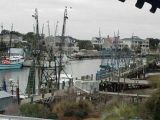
(154, 43)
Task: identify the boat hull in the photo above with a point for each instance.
(10, 66)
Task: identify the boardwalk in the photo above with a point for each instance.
(124, 94)
(128, 81)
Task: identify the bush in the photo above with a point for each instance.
(81, 114)
(68, 113)
(153, 106)
(121, 110)
(70, 108)
(34, 110)
(154, 81)
(52, 116)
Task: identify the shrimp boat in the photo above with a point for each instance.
(11, 62)
(14, 60)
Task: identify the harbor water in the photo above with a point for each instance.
(75, 68)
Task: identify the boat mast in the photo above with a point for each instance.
(10, 41)
(35, 54)
(1, 33)
(48, 29)
(61, 45)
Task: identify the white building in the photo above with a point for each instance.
(70, 44)
(14, 38)
(134, 42)
(113, 42)
(97, 41)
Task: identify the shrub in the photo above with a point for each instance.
(153, 106)
(120, 111)
(81, 113)
(52, 116)
(70, 108)
(34, 110)
(68, 113)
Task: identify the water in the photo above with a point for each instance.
(76, 68)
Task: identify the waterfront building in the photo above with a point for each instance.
(136, 42)
(14, 39)
(97, 41)
(113, 42)
(70, 44)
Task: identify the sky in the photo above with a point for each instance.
(85, 17)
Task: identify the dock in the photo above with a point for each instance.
(124, 94)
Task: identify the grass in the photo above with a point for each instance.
(120, 111)
(154, 80)
(73, 108)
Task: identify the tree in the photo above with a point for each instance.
(85, 44)
(3, 46)
(29, 37)
(153, 43)
(138, 49)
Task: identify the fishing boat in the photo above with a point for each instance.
(10, 63)
(11, 59)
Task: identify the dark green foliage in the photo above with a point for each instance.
(153, 43)
(153, 106)
(52, 116)
(98, 47)
(138, 49)
(69, 113)
(34, 110)
(3, 46)
(81, 113)
(7, 32)
(30, 37)
(85, 44)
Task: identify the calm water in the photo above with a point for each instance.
(76, 68)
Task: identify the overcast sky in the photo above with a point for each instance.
(85, 17)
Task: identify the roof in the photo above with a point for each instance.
(4, 94)
(134, 38)
(17, 50)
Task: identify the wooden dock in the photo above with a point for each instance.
(124, 94)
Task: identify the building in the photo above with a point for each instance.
(14, 39)
(70, 44)
(113, 42)
(135, 42)
(97, 41)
